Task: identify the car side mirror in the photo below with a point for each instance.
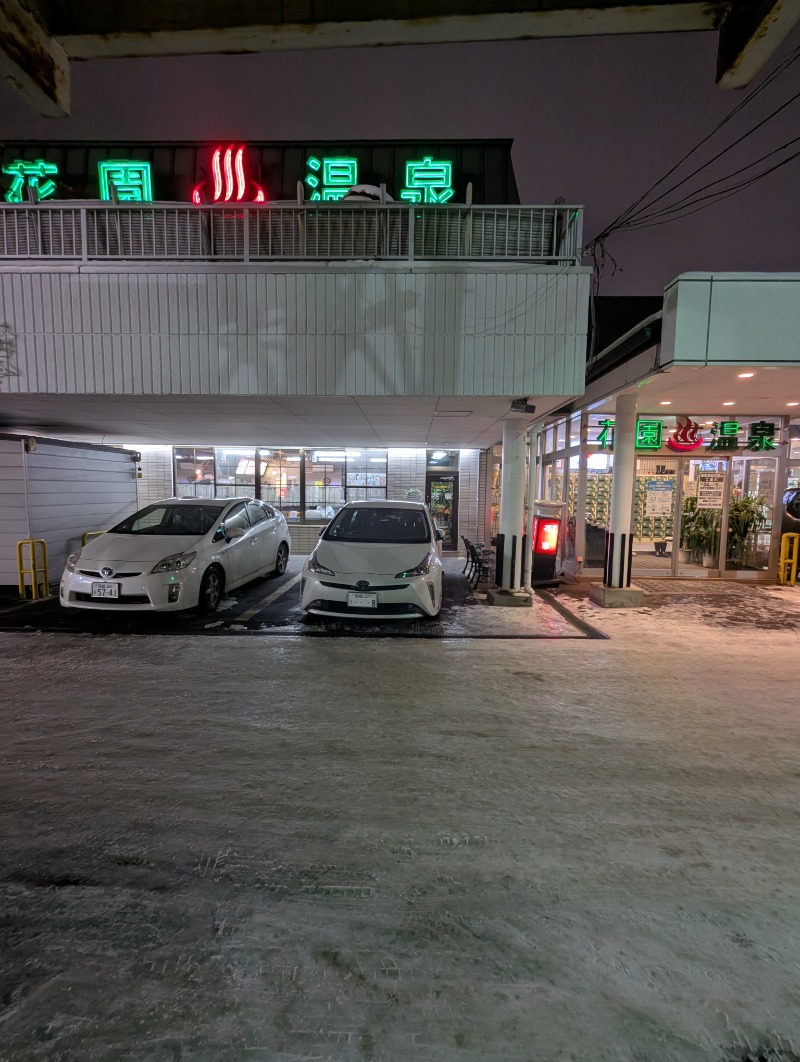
(439, 535)
(233, 532)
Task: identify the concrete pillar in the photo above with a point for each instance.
(580, 500)
(619, 540)
(533, 478)
(512, 498)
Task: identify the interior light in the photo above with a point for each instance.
(746, 375)
(666, 403)
(378, 460)
(793, 403)
(729, 403)
(437, 455)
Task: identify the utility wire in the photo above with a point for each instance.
(719, 154)
(626, 214)
(693, 197)
(718, 197)
(629, 212)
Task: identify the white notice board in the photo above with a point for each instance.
(658, 497)
(710, 490)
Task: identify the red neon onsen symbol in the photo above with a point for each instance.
(686, 436)
(229, 180)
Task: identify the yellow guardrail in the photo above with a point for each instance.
(37, 551)
(90, 534)
(790, 554)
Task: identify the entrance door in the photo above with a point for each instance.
(441, 495)
(654, 507)
(704, 490)
(751, 507)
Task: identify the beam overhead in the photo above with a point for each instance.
(748, 37)
(33, 61)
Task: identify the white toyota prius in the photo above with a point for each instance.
(375, 560)
(177, 554)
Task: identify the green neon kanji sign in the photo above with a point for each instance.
(428, 181)
(649, 434)
(330, 178)
(605, 440)
(762, 436)
(724, 435)
(129, 179)
(35, 174)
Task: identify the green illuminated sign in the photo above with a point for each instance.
(762, 436)
(129, 179)
(330, 178)
(428, 181)
(724, 435)
(35, 174)
(649, 434)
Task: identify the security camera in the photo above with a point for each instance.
(522, 405)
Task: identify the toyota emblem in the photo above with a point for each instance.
(106, 572)
(362, 584)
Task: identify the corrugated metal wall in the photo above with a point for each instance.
(468, 494)
(13, 507)
(156, 482)
(335, 332)
(72, 489)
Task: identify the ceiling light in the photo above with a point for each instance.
(709, 423)
(666, 403)
(793, 403)
(729, 403)
(746, 375)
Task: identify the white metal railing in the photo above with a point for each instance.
(274, 232)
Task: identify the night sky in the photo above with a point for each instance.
(596, 120)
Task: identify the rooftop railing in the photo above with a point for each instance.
(160, 232)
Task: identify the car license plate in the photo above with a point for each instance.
(105, 590)
(362, 600)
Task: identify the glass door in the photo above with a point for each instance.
(654, 507)
(751, 508)
(704, 492)
(441, 495)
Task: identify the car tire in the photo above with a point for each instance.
(212, 587)
(281, 559)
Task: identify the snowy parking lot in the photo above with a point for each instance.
(564, 850)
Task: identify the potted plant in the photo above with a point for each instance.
(746, 515)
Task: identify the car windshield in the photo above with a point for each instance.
(171, 520)
(373, 524)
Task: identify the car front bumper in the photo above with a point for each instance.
(140, 593)
(410, 598)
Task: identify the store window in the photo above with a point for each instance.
(438, 460)
(194, 472)
(561, 435)
(306, 485)
(280, 480)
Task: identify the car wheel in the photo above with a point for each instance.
(211, 588)
(281, 559)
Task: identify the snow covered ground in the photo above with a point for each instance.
(369, 849)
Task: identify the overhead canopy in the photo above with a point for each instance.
(38, 38)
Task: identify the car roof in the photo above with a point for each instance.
(204, 501)
(388, 503)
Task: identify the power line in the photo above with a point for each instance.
(629, 213)
(693, 197)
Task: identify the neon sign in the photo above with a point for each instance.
(129, 180)
(31, 174)
(428, 181)
(686, 436)
(330, 178)
(230, 183)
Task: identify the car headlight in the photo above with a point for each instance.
(72, 560)
(174, 563)
(422, 568)
(314, 566)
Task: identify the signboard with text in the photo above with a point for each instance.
(228, 171)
